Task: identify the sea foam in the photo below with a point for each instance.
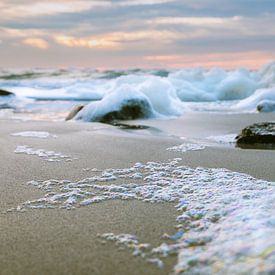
(186, 147)
(47, 155)
(34, 134)
(224, 221)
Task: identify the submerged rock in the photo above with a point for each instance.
(5, 93)
(260, 135)
(129, 109)
(5, 106)
(266, 106)
(74, 112)
(106, 112)
(6, 99)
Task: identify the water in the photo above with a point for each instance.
(167, 93)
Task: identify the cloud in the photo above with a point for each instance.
(38, 8)
(116, 39)
(70, 41)
(161, 30)
(194, 21)
(163, 58)
(251, 59)
(145, 35)
(142, 2)
(36, 43)
(19, 33)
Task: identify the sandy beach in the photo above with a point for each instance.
(137, 137)
(61, 241)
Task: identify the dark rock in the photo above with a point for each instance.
(162, 73)
(74, 111)
(130, 109)
(129, 126)
(257, 134)
(5, 93)
(126, 109)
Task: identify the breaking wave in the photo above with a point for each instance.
(166, 93)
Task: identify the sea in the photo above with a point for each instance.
(50, 94)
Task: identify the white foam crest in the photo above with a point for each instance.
(267, 74)
(265, 97)
(213, 85)
(237, 85)
(159, 91)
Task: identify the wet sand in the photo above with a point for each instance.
(59, 241)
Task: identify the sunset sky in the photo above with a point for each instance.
(119, 34)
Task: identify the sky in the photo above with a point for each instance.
(122, 34)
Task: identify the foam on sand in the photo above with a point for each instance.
(186, 147)
(131, 242)
(50, 156)
(225, 218)
(34, 134)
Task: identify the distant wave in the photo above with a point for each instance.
(18, 74)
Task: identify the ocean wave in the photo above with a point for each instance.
(167, 92)
(262, 97)
(124, 103)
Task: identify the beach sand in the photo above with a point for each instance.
(60, 241)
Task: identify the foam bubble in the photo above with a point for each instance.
(50, 156)
(132, 243)
(186, 147)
